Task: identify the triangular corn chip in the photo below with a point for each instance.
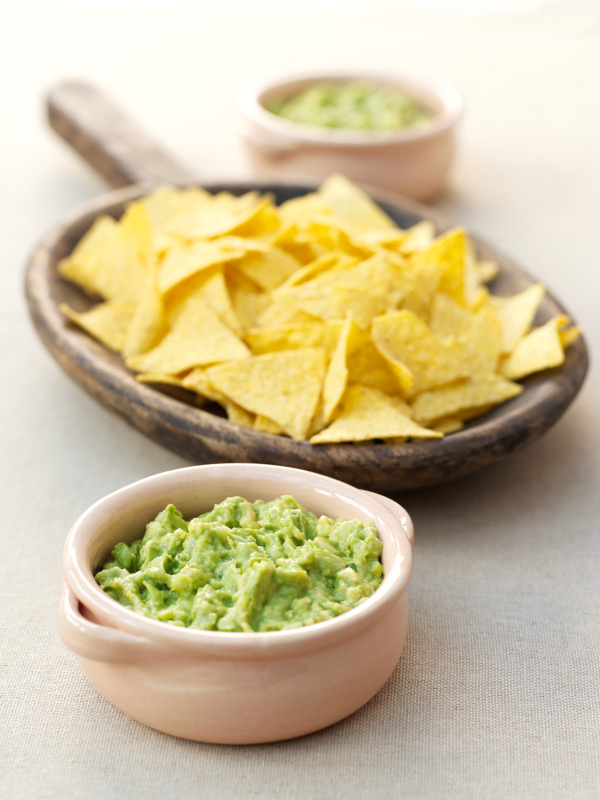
(248, 301)
(284, 386)
(268, 270)
(215, 215)
(407, 343)
(448, 425)
(188, 259)
(112, 260)
(212, 288)
(463, 399)
(266, 425)
(337, 372)
(197, 337)
(107, 322)
(367, 413)
(149, 322)
(446, 258)
(478, 334)
(352, 205)
(540, 349)
(516, 313)
(366, 365)
(292, 337)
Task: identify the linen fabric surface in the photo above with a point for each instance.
(497, 693)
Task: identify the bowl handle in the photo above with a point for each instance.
(400, 514)
(93, 641)
(108, 140)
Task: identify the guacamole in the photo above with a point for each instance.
(245, 567)
(356, 105)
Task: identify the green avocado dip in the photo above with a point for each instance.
(357, 105)
(245, 567)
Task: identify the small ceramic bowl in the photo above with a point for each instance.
(414, 161)
(233, 688)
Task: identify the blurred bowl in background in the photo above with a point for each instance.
(414, 161)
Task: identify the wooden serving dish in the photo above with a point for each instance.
(170, 416)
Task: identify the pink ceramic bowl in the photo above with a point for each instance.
(414, 161)
(233, 688)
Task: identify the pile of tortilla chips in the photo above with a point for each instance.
(318, 319)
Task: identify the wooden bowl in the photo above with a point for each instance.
(170, 416)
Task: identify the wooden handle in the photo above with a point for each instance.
(108, 140)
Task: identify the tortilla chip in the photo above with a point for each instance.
(266, 425)
(463, 399)
(326, 263)
(238, 415)
(292, 337)
(215, 215)
(197, 337)
(268, 270)
(196, 381)
(487, 270)
(212, 287)
(418, 238)
(448, 425)
(569, 335)
(106, 322)
(388, 238)
(337, 372)
(340, 237)
(365, 290)
(352, 205)
(248, 301)
(263, 221)
(538, 350)
(301, 211)
(366, 365)
(408, 344)
(516, 313)
(188, 259)
(112, 259)
(446, 258)
(149, 322)
(283, 386)
(366, 413)
(478, 334)
(159, 377)
(87, 259)
(290, 239)
(337, 302)
(282, 313)
(166, 203)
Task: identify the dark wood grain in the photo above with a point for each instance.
(108, 140)
(171, 418)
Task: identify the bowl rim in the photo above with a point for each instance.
(251, 106)
(78, 574)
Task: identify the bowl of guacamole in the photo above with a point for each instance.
(237, 603)
(389, 131)
(356, 105)
(242, 566)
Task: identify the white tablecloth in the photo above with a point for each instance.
(497, 694)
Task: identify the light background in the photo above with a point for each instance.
(497, 693)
